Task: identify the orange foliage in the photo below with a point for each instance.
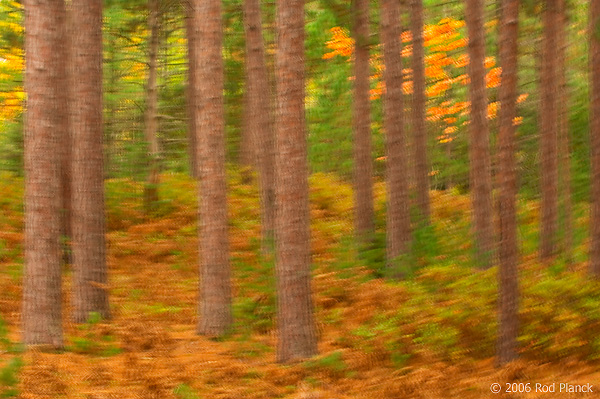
(445, 46)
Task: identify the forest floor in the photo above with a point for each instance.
(430, 336)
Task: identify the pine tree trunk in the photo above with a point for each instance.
(191, 84)
(549, 132)
(563, 134)
(595, 136)
(66, 150)
(215, 285)
(479, 149)
(507, 186)
(363, 164)
(151, 116)
(418, 112)
(44, 75)
(259, 115)
(296, 326)
(90, 274)
(398, 212)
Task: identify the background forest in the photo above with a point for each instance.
(413, 313)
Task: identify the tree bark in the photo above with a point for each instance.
(296, 326)
(191, 84)
(595, 136)
(398, 210)
(215, 285)
(90, 274)
(479, 149)
(259, 116)
(44, 75)
(418, 112)
(549, 132)
(151, 115)
(363, 164)
(507, 186)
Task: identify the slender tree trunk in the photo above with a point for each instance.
(259, 115)
(398, 212)
(549, 132)
(563, 126)
(363, 164)
(479, 151)
(418, 112)
(44, 75)
(595, 136)
(191, 98)
(151, 116)
(90, 277)
(507, 185)
(296, 326)
(215, 286)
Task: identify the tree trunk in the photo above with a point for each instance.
(398, 212)
(507, 186)
(44, 75)
(296, 326)
(363, 165)
(90, 274)
(595, 136)
(563, 134)
(479, 149)
(259, 115)
(549, 132)
(215, 286)
(66, 150)
(191, 98)
(418, 112)
(151, 116)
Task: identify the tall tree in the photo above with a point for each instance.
(549, 131)
(259, 115)
(479, 148)
(90, 274)
(45, 72)
(563, 134)
(363, 165)
(595, 135)
(296, 326)
(215, 289)
(151, 114)
(191, 83)
(418, 111)
(398, 212)
(507, 185)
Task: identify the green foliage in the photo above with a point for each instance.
(332, 363)
(184, 391)
(9, 379)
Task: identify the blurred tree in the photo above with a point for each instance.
(594, 32)
(191, 84)
(549, 130)
(44, 79)
(151, 113)
(215, 290)
(90, 274)
(363, 164)
(479, 151)
(259, 115)
(295, 321)
(398, 204)
(418, 111)
(563, 134)
(507, 186)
